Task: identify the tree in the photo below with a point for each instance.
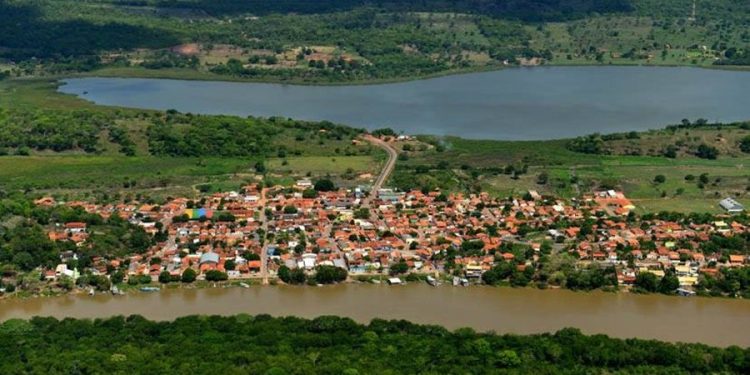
(647, 281)
(229, 265)
(542, 178)
(165, 277)
(660, 179)
(189, 276)
(362, 213)
(508, 358)
(295, 276)
(498, 273)
(330, 274)
(117, 277)
(324, 185)
(745, 144)
(669, 283)
(309, 194)
(399, 268)
(216, 275)
(707, 152)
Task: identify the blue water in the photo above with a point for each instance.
(525, 103)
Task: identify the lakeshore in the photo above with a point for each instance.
(512, 104)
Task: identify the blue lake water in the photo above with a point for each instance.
(525, 103)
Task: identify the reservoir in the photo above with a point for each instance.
(714, 321)
(512, 104)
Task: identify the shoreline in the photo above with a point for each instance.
(198, 75)
(255, 282)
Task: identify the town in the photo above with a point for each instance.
(288, 234)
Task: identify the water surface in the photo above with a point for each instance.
(527, 103)
(719, 322)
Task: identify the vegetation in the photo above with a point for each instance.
(361, 40)
(564, 168)
(67, 147)
(328, 345)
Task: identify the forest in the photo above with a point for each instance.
(331, 345)
(169, 133)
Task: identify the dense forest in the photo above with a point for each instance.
(332, 345)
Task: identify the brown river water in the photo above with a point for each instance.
(713, 321)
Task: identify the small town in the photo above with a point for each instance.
(262, 234)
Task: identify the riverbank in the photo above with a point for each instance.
(503, 310)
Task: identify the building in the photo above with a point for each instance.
(731, 205)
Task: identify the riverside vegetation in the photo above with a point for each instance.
(330, 345)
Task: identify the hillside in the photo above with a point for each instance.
(360, 41)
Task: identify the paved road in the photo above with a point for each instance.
(387, 169)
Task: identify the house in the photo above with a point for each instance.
(474, 271)
(75, 227)
(731, 205)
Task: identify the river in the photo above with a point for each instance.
(720, 322)
(512, 104)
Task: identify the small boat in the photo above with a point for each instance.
(92, 292)
(116, 291)
(432, 281)
(149, 289)
(245, 285)
(375, 281)
(456, 281)
(464, 282)
(394, 281)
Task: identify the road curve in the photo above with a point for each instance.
(389, 165)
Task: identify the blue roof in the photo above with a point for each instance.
(210, 257)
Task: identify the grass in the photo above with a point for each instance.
(728, 175)
(80, 175)
(323, 165)
(39, 93)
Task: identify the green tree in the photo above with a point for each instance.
(647, 281)
(216, 275)
(324, 185)
(165, 277)
(669, 283)
(189, 275)
(745, 144)
(330, 274)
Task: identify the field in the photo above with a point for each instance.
(78, 176)
(482, 165)
(109, 173)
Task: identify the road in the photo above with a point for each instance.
(387, 169)
(264, 248)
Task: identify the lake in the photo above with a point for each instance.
(713, 321)
(512, 104)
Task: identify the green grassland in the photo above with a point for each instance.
(107, 172)
(475, 165)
